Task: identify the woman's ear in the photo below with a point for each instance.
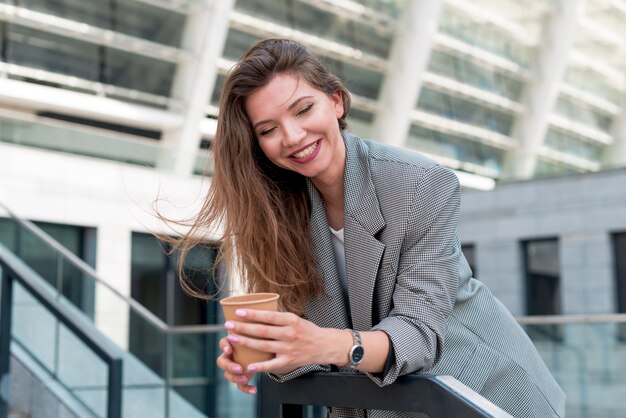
(337, 99)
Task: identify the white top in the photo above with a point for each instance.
(340, 256)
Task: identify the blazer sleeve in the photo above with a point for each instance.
(300, 371)
(427, 277)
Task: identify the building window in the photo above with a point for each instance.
(59, 273)
(619, 267)
(155, 284)
(543, 293)
(619, 260)
(469, 251)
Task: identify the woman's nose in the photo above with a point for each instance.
(293, 134)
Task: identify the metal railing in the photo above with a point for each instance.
(166, 335)
(13, 269)
(586, 352)
(571, 319)
(91, 274)
(433, 396)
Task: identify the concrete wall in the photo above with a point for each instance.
(581, 211)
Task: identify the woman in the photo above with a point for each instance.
(359, 238)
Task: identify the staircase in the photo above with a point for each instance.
(57, 341)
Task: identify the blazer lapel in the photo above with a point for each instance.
(328, 309)
(363, 220)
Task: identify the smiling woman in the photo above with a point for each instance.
(296, 125)
(297, 129)
(359, 239)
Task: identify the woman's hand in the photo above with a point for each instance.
(295, 341)
(233, 372)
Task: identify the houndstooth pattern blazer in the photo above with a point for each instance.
(407, 276)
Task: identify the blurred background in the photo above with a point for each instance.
(107, 113)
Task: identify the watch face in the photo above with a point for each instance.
(357, 354)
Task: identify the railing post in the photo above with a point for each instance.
(18, 240)
(59, 278)
(114, 402)
(6, 303)
(168, 372)
(292, 411)
(268, 406)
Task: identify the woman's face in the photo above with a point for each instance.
(297, 129)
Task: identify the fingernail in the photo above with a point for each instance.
(241, 313)
(242, 379)
(236, 369)
(233, 338)
(252, 368)
(252, 391)
(229, 325)
(227, 349)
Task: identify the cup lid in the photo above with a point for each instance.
(250, 299)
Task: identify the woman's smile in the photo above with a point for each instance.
(308, 153)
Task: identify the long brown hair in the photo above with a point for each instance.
(263, 209)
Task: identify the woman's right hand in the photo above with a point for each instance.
(233, 372)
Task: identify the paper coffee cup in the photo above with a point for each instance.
(262, 301)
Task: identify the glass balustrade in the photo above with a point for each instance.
(167, 371)
(588, 359)
(170, 371)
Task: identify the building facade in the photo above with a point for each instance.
(108, 109)
(553, 246)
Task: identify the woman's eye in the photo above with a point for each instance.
(306, 109)
(266, 132)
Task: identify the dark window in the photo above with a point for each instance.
(619, 267)
(469, 251)
(60, 274)
(543, 295)
(155, 284)
(619, 259)
(147, 133)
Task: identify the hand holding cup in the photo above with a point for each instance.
(244, 356)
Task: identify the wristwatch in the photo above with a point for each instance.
(356, 353)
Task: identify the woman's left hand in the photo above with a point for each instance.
(295, 341)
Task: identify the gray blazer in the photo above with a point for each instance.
(407, 276)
